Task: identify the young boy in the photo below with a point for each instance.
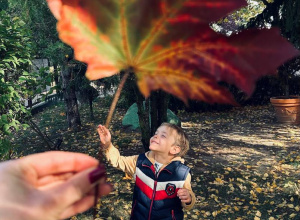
(162, 181)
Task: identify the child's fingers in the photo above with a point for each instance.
(100, 130)
(105, 130)
(185, 200)
(182, 192)
(184, 195)
(105, 136)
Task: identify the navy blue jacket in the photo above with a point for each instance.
(155, 196)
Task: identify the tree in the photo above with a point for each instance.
(280, 13)
(152, 111)
(39, 20)
(285, 15)
(264, 15)
(17, 81)
(86, 92)
(3, 5)
(69, 91)
(15, 56)
(47, 45)
(237, 20)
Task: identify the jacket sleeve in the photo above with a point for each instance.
(126, 164)
(187, 185)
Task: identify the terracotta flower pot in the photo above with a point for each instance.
(287, 109)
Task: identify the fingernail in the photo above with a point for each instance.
(97, 174)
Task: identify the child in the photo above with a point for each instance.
(162, 181)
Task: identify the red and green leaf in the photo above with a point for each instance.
(169, 45)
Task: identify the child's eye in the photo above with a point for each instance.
(163, 136)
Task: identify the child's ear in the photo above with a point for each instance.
(175, 150)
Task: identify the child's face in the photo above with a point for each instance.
(163, 140)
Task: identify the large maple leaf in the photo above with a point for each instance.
(168, 45)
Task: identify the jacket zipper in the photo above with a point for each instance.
(153, 194)
(154, 191)
(173, 215)
(152, 200)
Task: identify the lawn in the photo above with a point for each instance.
(244, 164)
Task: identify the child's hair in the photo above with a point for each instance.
(181, 139)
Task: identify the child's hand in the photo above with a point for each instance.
(105, 136)
(184, 195)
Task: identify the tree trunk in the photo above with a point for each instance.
(163, 107)
(159, 107)
(287, 87)
(30, 102)
(56, 80)
(153, 112)
(91, 108)
(158, 103)
(70, 97)
(155, 107)
(143, 114)
(143, 110)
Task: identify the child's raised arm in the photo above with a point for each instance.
(105, 136)
(126, 164)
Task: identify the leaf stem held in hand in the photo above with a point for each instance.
(116, 98)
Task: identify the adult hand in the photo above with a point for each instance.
(184, 195)
(49, 186)
(105, 136)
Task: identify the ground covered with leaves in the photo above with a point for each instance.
(244, 164)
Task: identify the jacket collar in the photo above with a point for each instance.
(150, 156)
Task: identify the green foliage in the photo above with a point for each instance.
(82, 84)
(35, 82)
(16, 81)
(57, 52)
(283, 14)
(5, 149)
(15, 55)
(291, 21)
(238, 19)
(39, 20)
(3, 5)
(42, 24)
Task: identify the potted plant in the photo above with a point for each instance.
(287, 107)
